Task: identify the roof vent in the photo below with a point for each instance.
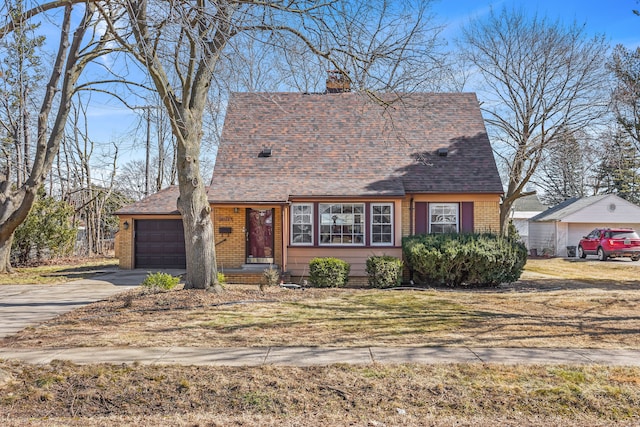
(443, 152)
(266, 152)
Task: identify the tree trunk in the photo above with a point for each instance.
(194, 206)
(5, 254)
(14, 209)
(505, 213)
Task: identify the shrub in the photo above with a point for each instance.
(329, 272)
(222, 280)
(384, 271)
(160, 281)
(270, 276)
(46, 233)
(464, 259)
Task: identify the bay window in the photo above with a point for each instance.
(341, 223)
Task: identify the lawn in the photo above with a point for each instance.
(58, 272)
(557, 303)
(543, 309)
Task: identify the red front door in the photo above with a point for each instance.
(260, 236)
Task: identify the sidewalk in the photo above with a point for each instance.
(25, 305)
(316, 356)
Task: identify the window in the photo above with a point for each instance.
(302, 224)
(382, 224)
(443, 218)
(341, 223)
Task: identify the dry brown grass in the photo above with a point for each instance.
(58, 271)
(558, 303)
(544, 309)
(374, 395)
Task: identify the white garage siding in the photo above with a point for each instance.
(542, 236)
(522, 226)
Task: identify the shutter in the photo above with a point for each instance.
(421, 217)
(466, 217)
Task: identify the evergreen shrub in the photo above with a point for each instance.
(384, 271)
(471, 259)
(47, 233)
(328, 272)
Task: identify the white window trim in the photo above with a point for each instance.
(313, 231)
(457, 208)
(392, 224)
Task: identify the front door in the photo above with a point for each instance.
(260, 236)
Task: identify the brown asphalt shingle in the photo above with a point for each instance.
(348, 145)
(164, 202)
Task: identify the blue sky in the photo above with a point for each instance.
(613, 18)
(610, 17)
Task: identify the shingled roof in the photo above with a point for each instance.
(347, 145)
(164, 202)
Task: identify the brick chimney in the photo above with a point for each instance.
(337, 82)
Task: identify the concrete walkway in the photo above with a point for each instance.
(315, 356)
(25, 305)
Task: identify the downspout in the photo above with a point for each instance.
(411, 231)
(285, 235)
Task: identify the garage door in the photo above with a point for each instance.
(159, 243)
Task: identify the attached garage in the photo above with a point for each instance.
(159, 243)
(552, 231)
(151, 235)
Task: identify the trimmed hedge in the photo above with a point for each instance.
(464, 259)
(384, 271)
(328, 272)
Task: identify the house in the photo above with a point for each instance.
(300, 176)
(563, 225)
(524, 208)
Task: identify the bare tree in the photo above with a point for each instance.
(183, 44)
(75, 50)
(89, 193)
(625, 65)
(566, 168)
(539, 79)
(618, 169)
(20, 74)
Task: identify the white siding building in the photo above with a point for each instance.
(551, 231)
(523, 209)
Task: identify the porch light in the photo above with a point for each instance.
(126, 225)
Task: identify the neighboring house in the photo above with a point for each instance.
(300, 176)
(564, 225)
(524, 208)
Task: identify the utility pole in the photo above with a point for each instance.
(147, 177)
(148, 151)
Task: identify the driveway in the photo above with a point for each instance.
(28, 305)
